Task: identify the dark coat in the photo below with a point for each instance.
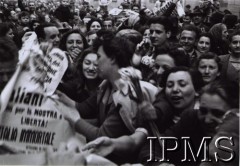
(228, 72)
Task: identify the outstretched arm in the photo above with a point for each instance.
(104, 146)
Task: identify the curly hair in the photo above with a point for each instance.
(93, 20)
(63, 40)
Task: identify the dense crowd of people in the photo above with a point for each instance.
(132, 76)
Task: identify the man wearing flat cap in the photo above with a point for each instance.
(197, 18)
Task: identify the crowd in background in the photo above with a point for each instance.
(189, 72)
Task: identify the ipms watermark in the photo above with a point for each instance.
(190, 154)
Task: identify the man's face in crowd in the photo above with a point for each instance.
(216, 4)
(14, 15)
(186, 19)
(212, 110)
(31, 6)
(108, 24)
(197, 19)
(187, 40)
(235, 45)
(76, 19)
(52, 35)
(65, 2)
(136, 9)
(158, 34)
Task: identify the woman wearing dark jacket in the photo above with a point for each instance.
(220, 34)
(86, 80)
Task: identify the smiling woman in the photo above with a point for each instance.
(180, 87)
(94, 24)
(73, 42)
(204, 43)
(86, 80)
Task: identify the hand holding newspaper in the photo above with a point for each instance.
(28, 109)
(28, 40)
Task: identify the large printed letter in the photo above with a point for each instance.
(224, 149)
(165, 149)
(205, 149)
(152, 149)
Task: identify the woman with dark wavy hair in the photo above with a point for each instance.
(73, 43)
(86, 80)
(204, 44)
(94, 24)
(6, 30)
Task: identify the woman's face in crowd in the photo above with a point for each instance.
(146, 34)
(163, 62)
(74, 43)
(224, 32)
(211, 111)
(203, 44)
(95, 26)
(90, 66)
(209, 70)
(35, 25)
(179, 90)
(10, 33)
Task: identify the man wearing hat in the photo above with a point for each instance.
(197, 19)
